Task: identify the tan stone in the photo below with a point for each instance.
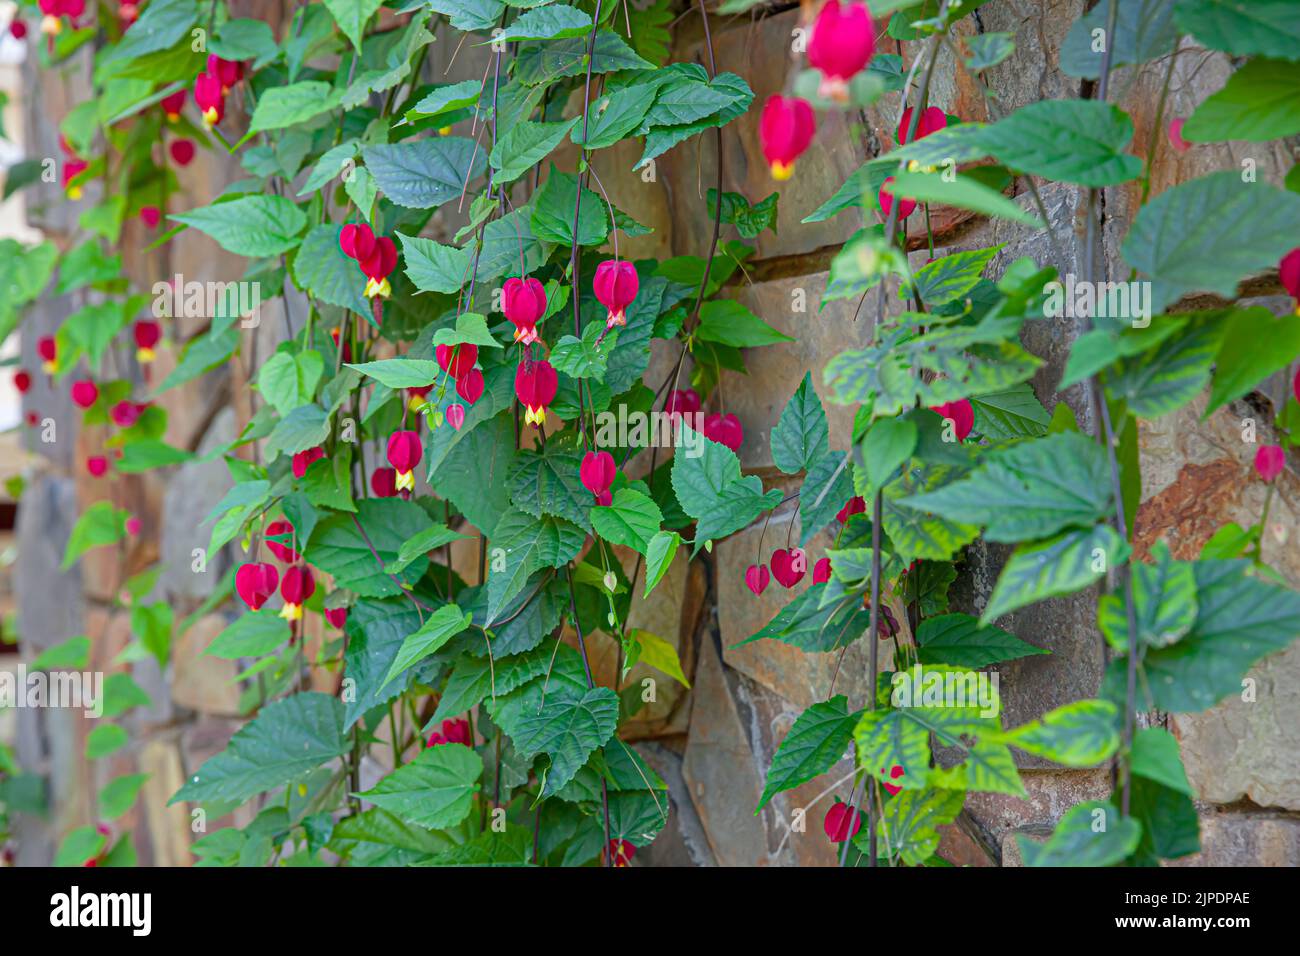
(1246, 839)
(169, 827)
(1049, 796)
(202, 683)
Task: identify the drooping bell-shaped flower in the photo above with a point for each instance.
(357, 240)
(785, 131)
(905, 206)
(209, 98)
(1269, 461)
(535, 386)
(456, 360)
(470, 386)
(227, 72)
(172, 105)
(854, 506)
(150, 216)
(418, 396)
(842, 821)
(1288, 273)
(337, 616)
(683, 401)
(281, 529)
(85, 392)
(725, 430)
(147, 334)
(378, 266)
(960, 413)
(96, 466)
(72, 168)
(48, 350)
(597, 473)
(182, 151)
(383, 482)
(524, 303)
(304, 459)
(22, 381)
(621, 852)
(616, 285)
(822, 571)
(126, 412)
(842, 42)
(404, 453)
(296, 588)
(932, 120)
(255, 582)
(454, 731)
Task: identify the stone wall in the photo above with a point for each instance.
(714, 742)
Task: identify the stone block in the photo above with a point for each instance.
(205, 684)
(192, 492)
(1246, 839)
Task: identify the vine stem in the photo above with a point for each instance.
(575, 263)
(591, 684)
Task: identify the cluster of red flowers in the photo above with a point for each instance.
(376, 255)
(53, 12)
(454, 731)
(73, 166)
(256, 581)
(211, 87)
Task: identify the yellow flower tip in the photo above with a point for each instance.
(210, 117)
(381, 289)
(913, 166)
(173, 117)
(405, 481)
(535, 416)
(51, 26)
(417, 402)
(444, 131)
(291, 612)
(50, 367)
(74, 192)
(144, 356)
(782, 171)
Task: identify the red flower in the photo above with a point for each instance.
(147, 334)
(1269, 461)
(150, 216)
(524, 303)
(357, 241)
(209, 98)
(378, 266)
(725, 430)
(456, 416)
(789, 567)
(1176, 136)
(682, 402)
(281, 551)
(96, 465)
(172, 105)
(842, 820)
(298, 586)
(255, 583)
(905, 206)
(303, 460)
(785, 130)
(756, 578)
(470, 386)
(454, 731)
(1288, 273)
(227, 72)
(932, 120)
(417, 396)
(18, 29)
(822, 571)
(337, 616)
(404, 452)
(22, 381)
(854, 506)
(48, 350)
(960, 414)
(383, 482)
(597, 473)
(85, 392)
(126, 413)
(621, 852)
(535, 387)
(456, 360)
(895, 772)
(72, 168)
(182, 151)
(842, 42)
(616, 285)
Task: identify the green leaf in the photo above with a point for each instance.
(964, 192)
(658, 653)
(253, 226)
(728, 322)
(663, 138)
(282, 106)
(815, 743)
(750, 221)
(402, 373)
(422, 543)
(1164, 602)
(949, 278)
(552, 215)
(813, 625)
(711, 489)
(1060, 565)
(961, 641)
(1169, 375)
(146, 454)
(469, 15)
(988, 50)
(548, 482)
(1015, 413)
(93, 328)
(686, 99)
(801, 436)
(439, 628)
(471, 329)
(251, 635)
(552, 22)
(375, 632)
(1241, 364)
(659, 557)
(1144, 31)
(433, 267)
(582, 357)
(352, 17)
(304, 427)
(80, 845)
(1257, 104)
(1081, 734)
(541, 63)
(526, 144)
(72, 654)
(1208, 234)
(435, 790)
(120, 794)
(530, 544)
(631, 519)
(1073, 141)
(1155, 756)
(568, 729)
(424, 174)
(324, 272)
(284, 741)
(909, 824)
(1242, 27)
(825, 489)
(337, 547)
(1091, 834)
(615, 115)
(99, 525)
(288, 380)
(446, 99)
(1030, 490)
(201, 355)
(887, 447)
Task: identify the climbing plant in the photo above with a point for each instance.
(459, 323)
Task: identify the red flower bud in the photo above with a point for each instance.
(298, 585)
(456, 360)
(932, 120)
(303, 460)
(282, 551)
(73, 168)
(404, 452)
(616, 285)
(455, 731)
(456, 416)
(597, 473)
(1269, 461)
(789, 567)
(18, 29)
(126, 413)
(210, 98)
(47, 348)
(822, 571)
(842, 42)
(337, 616)
(150, 216)
(147, 334)
(470, 386)
(256, 582)
(621, 852)
(22, 381)
(382, 260)
(756, 578)
(785, 130)
(133, 526)
(96, 465)
(854, 506)
(524, 303)
(182, 151)
(843, 821)
(682, 402)
(960, 414)
(1288, 273)
(85, 392)
(357, 241)
(172, 105)
(725, 430)
(383, 482)
(535, 387)
(227, 72)
(905, 206)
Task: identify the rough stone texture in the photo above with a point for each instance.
(202, 683)
(1049, 795)
(192, 492)
(1246, 839)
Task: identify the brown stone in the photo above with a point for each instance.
(203, 683)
